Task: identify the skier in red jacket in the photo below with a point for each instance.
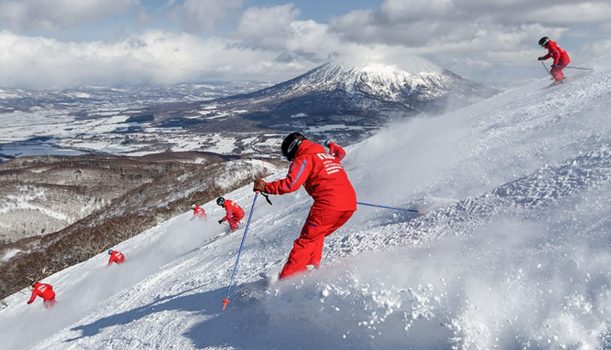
(560, 56)
(45, 291)
(334, 197)
(335, 150)
(198, 212)
(233, 212)
(115, 257)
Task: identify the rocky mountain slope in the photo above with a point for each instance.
(128, 194)
(41, 195)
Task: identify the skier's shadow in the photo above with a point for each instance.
(250, 322)
(207, 302)
(258, 323)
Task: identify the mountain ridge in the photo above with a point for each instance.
(376, 80)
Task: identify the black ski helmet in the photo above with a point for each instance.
(290, 144)
(544, 41)
(220, 201)
(109, 251)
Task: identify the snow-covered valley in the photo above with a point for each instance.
(512, 252)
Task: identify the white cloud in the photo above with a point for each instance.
(295, 41)
(313, 39)
(267, 27)
(602, 47)
(205, 15)
(300, 42)
(23, 15)
(396, 10)
(605, 27)
(563, 14)
(495, 38)
(418, 23)
(154, 57)
(158, 57)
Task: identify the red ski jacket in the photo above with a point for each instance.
(199, 211)
(322, 176)
(336, 151)
(116, 257)
(232, 210)
(560, 56)
(43, 290)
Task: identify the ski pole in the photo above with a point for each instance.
(581, 68)
(547, 70)
(387, 207)
(237, 260)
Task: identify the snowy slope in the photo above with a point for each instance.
(513, 253)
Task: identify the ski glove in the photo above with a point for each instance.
(540, 58)
(220, 221)
(259, 186)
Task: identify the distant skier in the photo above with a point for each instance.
(326, 181)
(115, 257)
(233, 212)
(45, 291)
(560, 56)
(198, 212)
(335, 150)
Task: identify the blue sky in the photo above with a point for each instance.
(59, 43)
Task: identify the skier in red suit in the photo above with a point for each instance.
(45, 291)
(115, 257)
(334, 197)
(560, 56)
(335, 150)
(233, 212)
(198, 212)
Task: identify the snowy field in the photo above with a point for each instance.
(513, 252)
(41, 122)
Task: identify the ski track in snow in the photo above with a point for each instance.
(514, 251)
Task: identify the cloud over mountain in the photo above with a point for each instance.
(65, 43)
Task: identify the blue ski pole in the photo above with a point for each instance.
(237, 260)
(387, 207)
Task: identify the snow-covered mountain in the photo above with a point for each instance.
(513, 251)
(421, 81)
(358, 94)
